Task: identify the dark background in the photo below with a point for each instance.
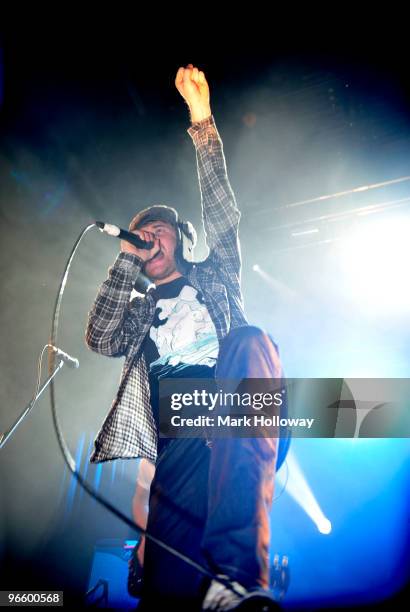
(92, 127)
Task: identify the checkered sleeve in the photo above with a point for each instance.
(110, 326)
(220, 213)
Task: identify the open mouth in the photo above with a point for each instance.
(157, 256)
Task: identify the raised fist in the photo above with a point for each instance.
(193, 87)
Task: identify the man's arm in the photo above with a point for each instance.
(110, 326)
(219, 210)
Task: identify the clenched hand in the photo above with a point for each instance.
(193, 87)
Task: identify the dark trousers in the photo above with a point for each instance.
(212, 502)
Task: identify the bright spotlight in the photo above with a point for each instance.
(298, 488)
(278, 285)
(374, 263)
(325, 526)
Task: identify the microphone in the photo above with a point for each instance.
(72, 362)
(133, 239)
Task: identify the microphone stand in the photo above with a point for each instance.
(6, 435)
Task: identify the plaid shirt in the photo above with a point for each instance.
(117, 326)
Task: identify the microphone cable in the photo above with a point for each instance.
(68, 458)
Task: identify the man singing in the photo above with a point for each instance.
(210, 501)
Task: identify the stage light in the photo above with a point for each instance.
(298, 488)
(305, 232)
(325, 526)
(279, 286)
(374, 262)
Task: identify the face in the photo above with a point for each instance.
(162, 265)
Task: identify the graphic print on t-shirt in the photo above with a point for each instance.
(182, 329)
